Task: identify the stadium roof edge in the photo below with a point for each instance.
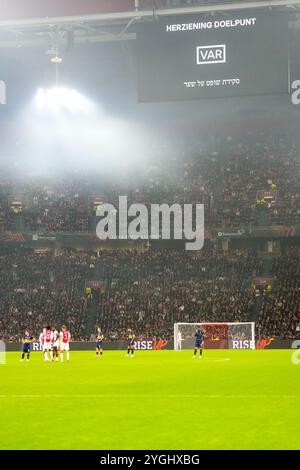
(139, 15)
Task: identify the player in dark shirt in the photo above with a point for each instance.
(199, 342)
(131, 338)
(27, 339)
(99, 344)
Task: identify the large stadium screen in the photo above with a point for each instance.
(205, 56)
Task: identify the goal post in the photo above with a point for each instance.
(217, 335)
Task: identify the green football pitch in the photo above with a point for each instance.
(156, 400)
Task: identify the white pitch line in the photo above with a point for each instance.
(215, 360)
(294, 397)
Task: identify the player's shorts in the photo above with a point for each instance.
(64, 347)
(198, 343)
(99, 345)
(26, 348)
(47, 346)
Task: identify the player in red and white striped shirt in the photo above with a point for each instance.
(41, 338)
(65, 339)
(47, 340)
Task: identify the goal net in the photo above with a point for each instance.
(217, 335)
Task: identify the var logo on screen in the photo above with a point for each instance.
(211, 54)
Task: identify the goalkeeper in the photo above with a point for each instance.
(199, 342)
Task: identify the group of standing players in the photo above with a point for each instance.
(100, 338)
(54, 344)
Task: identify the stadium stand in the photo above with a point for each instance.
(279, 315)
(155, 288)
(38, 288)
(152, 290)
(226, 182)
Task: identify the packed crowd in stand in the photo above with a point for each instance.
(280, 312)
(146, 290)
(39, 289)
(226, 181)
(153, 290)
(249, 169)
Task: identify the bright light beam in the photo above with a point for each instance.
(62, 99)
